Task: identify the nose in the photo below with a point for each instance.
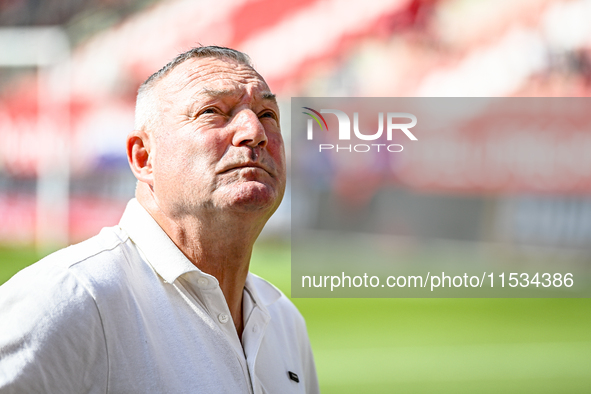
(249, 130)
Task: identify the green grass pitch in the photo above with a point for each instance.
(429, 345)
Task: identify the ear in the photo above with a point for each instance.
(138, 156)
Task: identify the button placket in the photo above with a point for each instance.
(209, 300)
(214, 303)
(256, 327)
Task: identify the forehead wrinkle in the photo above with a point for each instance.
(205, 74)
(204, 70)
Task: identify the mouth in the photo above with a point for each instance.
(249, 166)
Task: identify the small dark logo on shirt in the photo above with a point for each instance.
(293, 376)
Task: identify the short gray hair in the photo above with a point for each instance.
(146, 107)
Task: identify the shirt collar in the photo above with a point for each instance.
(167, 259)
(261, 291)
(159, 250)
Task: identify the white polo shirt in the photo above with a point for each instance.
(127, 312)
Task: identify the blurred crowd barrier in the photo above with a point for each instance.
(64, 114)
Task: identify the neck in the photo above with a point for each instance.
(219, 244)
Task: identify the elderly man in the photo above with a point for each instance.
(164, 302)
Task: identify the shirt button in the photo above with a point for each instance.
(255, 328)
(223, 318)
(202, 282)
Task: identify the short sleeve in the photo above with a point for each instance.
(51, 335)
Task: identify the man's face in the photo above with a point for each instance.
(219, 143)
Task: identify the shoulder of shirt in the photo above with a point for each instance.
(66, 283)
(80, 257)
(106, 241)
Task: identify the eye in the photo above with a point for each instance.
(211, 114)
(268, 114)
(210, 110)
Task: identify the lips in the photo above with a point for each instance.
(245, 165)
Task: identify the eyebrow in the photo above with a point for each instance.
(232, 92)
(270, 96)
(218, 92)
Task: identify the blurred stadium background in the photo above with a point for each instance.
(69, 71)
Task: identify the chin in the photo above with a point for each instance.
(254, 197)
